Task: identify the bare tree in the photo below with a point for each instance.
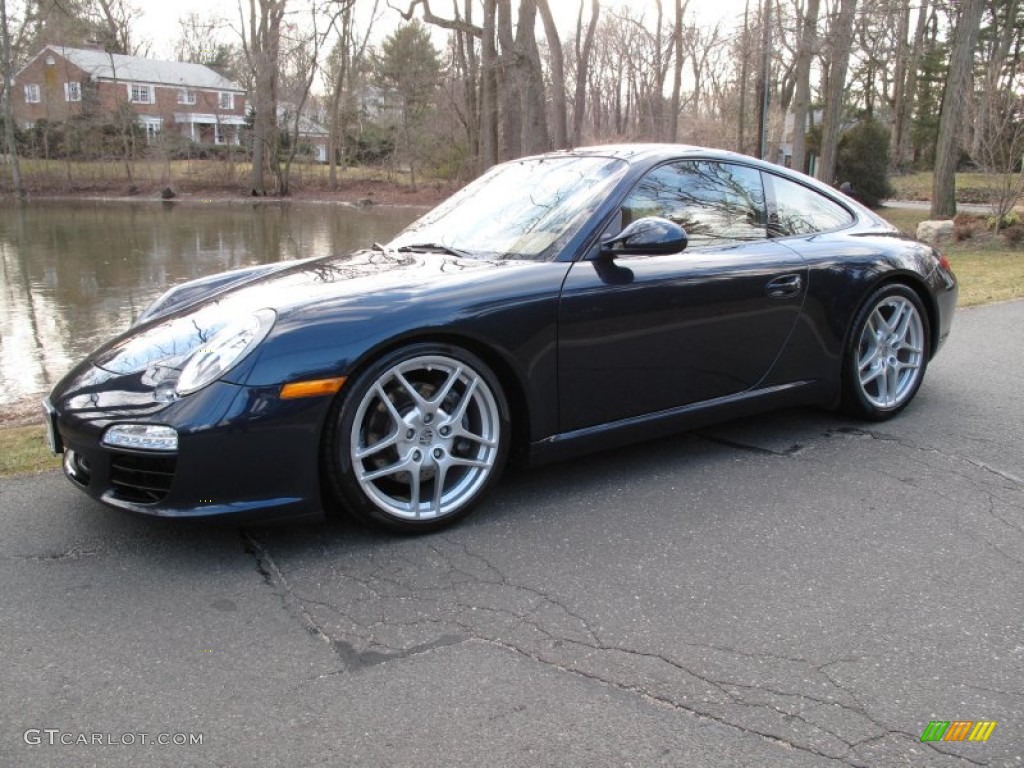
(677, 69)
(839, 59)
(953, 104)
(8, 112)
(346, 61)
(1000, 148)
(560, 135)
(583, 55)
(802, 93)
(261, 41)
(302, 46)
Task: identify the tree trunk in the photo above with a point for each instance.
(902, 144)
(509, 85)
(532, 97)
(744, 66)
(802, 93)
(262, 46)
(947, 149)
(488, 90)
(560, 134)
(842, 39)
(677, 71)
(334, 138)
(582, 73)
(5, 72)
(472, 85)
(901, 55)
(762, 80)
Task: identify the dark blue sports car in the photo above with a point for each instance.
(559, 304)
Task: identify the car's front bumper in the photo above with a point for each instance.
(243, 453)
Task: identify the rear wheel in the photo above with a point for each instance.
(887, 354)
(418, 438)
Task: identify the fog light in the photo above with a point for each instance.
(142, 437)
(76, 467)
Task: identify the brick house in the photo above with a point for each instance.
(189, 99)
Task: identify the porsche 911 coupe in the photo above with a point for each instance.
(559, 304)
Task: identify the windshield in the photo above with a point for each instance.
(524, 209)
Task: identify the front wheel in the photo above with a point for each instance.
(417, 438)
(887, 354)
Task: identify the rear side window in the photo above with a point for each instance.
(714, 202)
(802, 211)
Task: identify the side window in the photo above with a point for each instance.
(714, 202)
(802, 211)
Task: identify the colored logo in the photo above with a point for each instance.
(958, 730)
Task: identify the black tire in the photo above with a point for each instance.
(886, 353)
(423, 458)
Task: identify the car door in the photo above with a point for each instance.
(643, 334)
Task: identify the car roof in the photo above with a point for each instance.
(649, 151)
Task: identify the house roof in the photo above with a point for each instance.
(109, 66)
(307, 126)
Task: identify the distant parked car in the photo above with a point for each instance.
(559, 304)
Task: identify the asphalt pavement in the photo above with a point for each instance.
(793, 590)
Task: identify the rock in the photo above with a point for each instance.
(167, 193)
(935, 232)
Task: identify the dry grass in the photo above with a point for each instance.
(189, 175)
(970, 187)
(23, 449)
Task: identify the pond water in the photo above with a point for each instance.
(72, 275)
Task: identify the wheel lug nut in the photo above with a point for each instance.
(410, 434)
(445, 431)
(427, 418)
(416, 455)
(438, 453)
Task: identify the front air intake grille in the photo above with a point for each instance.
(142, 479)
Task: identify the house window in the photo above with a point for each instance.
(72, 91)
(140, 94)
(153, 126)
(31, 93)
(186, 97)
(227, 100)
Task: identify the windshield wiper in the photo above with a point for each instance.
(434, 248)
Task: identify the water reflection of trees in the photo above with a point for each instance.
(73, 275)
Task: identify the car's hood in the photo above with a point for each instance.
(168, 340)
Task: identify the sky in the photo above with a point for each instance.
(158, 19)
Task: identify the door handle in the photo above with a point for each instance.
(785, 286)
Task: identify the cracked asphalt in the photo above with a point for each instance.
(792, 590)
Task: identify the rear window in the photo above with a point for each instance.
(800, 210)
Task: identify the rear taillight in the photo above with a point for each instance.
(944, 263)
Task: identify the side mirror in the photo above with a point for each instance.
(649, 236)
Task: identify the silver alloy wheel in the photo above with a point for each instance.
(425, 438)
(890, 354)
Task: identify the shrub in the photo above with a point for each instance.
(967, 225)
(1013, 234)
(863, 161)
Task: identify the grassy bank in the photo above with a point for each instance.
(970, 187)
(23, 449)
(988, 268)
(988, 271)
(209, 178)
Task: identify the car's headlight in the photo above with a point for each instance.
(225, 350)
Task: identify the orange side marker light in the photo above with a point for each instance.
(314, 388)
